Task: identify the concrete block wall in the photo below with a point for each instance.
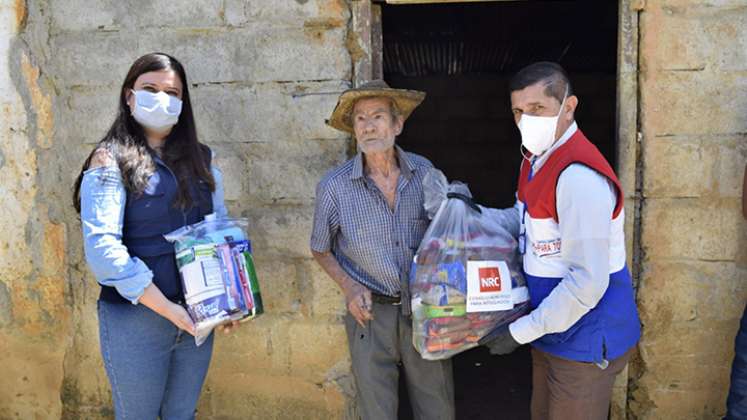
(34, 304)
(693, 282)
(263, 77)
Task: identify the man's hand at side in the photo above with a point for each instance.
(358, 300)
(357, 296)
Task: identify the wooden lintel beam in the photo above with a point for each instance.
(439, 1)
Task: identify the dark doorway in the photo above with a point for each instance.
(462, 55)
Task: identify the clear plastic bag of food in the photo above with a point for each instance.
(466, 278)
(216, 267)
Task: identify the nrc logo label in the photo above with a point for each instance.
(490, 279)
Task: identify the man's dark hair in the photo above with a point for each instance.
(550, 74)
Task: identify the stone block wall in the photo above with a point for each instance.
(693, 282)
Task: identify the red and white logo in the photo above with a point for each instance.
(490, 279)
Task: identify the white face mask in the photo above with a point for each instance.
(538, 133)
(156, 111)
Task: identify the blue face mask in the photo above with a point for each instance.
(156, 111)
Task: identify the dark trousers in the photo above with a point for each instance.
(564, 389)
(736, 403)
(376, 352)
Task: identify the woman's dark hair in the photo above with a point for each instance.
(551, 74)
(125, 141)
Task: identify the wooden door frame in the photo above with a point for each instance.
(629, 165)
(366, 36)
(368, 65)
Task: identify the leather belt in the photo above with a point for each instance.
(385, 300)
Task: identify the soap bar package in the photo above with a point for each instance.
(217, 271)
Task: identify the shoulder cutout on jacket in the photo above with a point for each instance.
(101, 157)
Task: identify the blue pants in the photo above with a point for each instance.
(736, 403)
(154, 368)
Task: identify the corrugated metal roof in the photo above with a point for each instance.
(499, 37)
(422, 58)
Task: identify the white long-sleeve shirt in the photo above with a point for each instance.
(585, 201)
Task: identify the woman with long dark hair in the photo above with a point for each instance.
(148, 176)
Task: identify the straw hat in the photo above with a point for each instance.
(406, 101)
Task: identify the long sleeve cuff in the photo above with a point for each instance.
(133, 287)
(130, 282)
(523, 330)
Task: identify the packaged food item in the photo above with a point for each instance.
(217, 272)
(465, 279)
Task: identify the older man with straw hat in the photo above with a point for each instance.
(368, 222)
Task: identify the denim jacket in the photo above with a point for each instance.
(103, 202)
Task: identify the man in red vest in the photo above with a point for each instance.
(569, 222)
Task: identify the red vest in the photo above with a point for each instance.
(613, 326)
(538, 195)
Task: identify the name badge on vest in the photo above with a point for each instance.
(546, 248)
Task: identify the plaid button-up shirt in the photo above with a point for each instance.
(372, 243)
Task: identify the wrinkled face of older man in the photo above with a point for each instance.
(376, 124)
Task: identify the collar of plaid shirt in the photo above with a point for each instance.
(406, 169)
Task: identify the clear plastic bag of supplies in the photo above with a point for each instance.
(215, 263)
(466, 278)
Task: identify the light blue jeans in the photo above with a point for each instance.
(154, 368)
